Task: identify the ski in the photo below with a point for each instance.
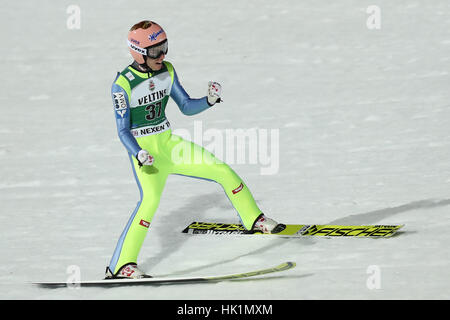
(164, 281)
(297, 230)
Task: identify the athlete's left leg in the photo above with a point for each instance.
(190, 159)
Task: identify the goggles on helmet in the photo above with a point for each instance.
(157, 50)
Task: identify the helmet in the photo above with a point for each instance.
(147, 38)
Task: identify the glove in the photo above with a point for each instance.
(144, 158)
(214, 92)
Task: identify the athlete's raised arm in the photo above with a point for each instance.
(190, 106)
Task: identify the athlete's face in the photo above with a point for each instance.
(156, 64)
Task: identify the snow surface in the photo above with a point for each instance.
(364, 138)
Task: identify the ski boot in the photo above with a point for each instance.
(267, 225)
(128, 271)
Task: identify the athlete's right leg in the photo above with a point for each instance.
(151, 181)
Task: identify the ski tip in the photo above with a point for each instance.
(286, 265)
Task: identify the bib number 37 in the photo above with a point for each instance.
(154, 110)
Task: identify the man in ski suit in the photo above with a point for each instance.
(140, 94)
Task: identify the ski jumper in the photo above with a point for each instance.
(140, 99)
